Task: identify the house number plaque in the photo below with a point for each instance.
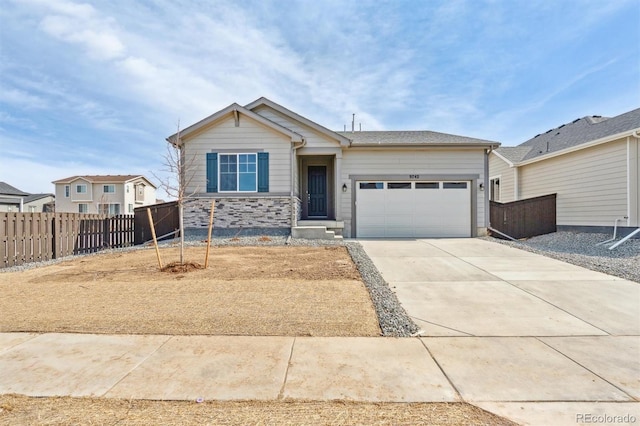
(414, 176)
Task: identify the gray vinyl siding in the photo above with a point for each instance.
(591, 184)
(250, 135)
(498, 167)
(415, 161)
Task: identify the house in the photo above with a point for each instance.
(591, 164)
(15, 200)
(104, 194)
(273, 171)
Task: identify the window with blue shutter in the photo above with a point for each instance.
(238, 172)
(212, 172)
(263, 172)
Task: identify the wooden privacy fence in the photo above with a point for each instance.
(33, 237)
(524, 218)
(165, 219)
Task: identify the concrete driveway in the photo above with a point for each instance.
(528, 337)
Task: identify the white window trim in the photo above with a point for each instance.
(85, 188)
(491, 179)
(67, 191)
(109, 208)
(83, 204)
(109, 185)
(237, 154)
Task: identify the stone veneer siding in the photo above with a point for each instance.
(239, 213)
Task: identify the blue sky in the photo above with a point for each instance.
(96, 87)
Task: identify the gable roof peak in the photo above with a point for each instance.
(235, 108)
(262, 101)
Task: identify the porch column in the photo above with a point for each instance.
(338, 185)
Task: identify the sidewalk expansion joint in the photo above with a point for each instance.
(443, 326)
(286, 373)
(558, 307)
(632, 398)
(137, 365)
(455, 389)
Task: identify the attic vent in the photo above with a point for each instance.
(550, 130)
(575, 121)
(536, 135)
(561, 126)
(597, 116)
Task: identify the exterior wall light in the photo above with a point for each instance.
(344, 187)
(481, 186)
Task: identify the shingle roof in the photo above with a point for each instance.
(410, 137)
(577, 132)
(514, 153)
(102, 178)
(6, 189)
(34, 197)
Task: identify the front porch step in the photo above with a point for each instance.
(329, 224)
(313, 233)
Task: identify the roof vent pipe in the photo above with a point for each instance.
(547, 146)
(353, 123)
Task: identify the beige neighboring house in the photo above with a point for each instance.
(592, 164)
(104, 194)
(272, 171)
(14, 200)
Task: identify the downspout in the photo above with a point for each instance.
(633, 213)
(486, 189)
(294, 148)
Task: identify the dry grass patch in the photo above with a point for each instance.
(286, 291)
(21, 410)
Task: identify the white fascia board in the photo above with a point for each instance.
(579, 147)
(139, 177)
(497, 154)
(295, 137)
(344, 141)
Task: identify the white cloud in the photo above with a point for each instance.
(21, 98)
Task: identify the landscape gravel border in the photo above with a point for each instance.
(582, 249)
(392, 318)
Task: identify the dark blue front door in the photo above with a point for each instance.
(317, 183)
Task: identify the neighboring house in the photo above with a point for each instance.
(14, 200)
(104, 194)
(271, 170)
(592, 164)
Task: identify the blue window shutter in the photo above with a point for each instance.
(212, 172)
(263, 172)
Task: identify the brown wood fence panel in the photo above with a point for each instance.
(165, 219)
(25, 237)
(524, 218)
(33, 237)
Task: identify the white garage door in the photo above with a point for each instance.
(413, 209)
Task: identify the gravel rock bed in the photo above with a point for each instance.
(394, 321)
(580, 249)
(392, 317)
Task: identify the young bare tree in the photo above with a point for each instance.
(179, 172)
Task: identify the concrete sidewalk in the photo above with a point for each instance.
(523, 336)
(530, 380)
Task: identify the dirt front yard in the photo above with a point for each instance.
(255, 291)
(21, 410)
